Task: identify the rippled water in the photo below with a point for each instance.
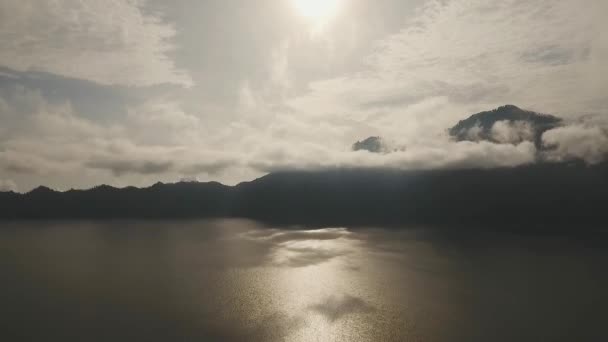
(233, 280)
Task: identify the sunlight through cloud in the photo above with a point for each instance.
(319, 12)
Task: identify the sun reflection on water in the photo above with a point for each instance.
(316, 284)
(235, 280)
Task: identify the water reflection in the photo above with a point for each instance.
(335, 307)
(233, 280)
(301, 248)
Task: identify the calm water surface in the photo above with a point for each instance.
(234, 280)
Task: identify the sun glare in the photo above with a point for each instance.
(318, 10)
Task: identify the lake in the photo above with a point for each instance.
(238, 280)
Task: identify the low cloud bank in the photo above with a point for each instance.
(50, 144)
(507, 132)
(581, 141)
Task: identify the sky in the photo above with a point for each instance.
(131, 92)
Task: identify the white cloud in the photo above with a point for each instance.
(456, 58)
(474, 133)
(162, 122)
(105, 41)
(507, 132)
(39, 138)
(48, 143)
(442, 154)
(279, 66)
(589, 143)
(479, 55)
(52, 140)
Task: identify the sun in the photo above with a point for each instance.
(318, 10)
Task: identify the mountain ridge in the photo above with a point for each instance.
(545, 195)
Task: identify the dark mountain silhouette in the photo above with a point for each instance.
(371, 144)
(479, 126)
(545, 196)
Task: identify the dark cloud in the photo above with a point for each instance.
(16, 163)
(554, 55)
(19, 167)
(391, 101)
(210, 167)
(336, 307)
(94, 101)
(121, 167)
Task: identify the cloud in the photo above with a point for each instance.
(157, 140)
(105, 41)
(38, 137)
(512, 132)
(442, 154)
(474, 133)
(120, 167)
(161, 141)
(27, 113)
(454, 59)
(577, 141)
(15, 161)
(8, 185)
(211, 167)
(469, 53)
(449, 60)
(162, 122)
(335, 307)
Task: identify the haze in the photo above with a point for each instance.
(134, 92)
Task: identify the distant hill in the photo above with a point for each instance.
(546, 196)
(523, 124)
(371, 144)
(508, 124)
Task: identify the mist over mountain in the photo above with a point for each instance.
(565, 187)
(506, 124)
